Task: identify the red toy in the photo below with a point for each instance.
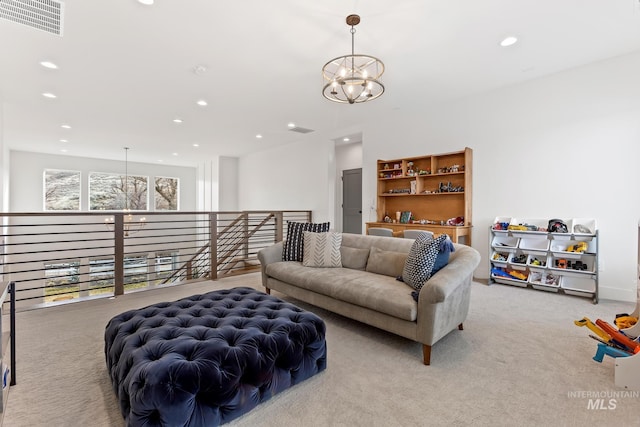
(618, 336)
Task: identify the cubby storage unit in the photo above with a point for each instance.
(429, 191)
(550, 261)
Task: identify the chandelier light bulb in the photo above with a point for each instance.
(352, 78)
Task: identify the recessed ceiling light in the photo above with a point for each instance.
(65, 126)
(177, 120)
(345, 139)
(508, 41)
(64, 140)
(202, 103)
(49, 64)
(49, 95)
(291, 125)
(199, 69)
(64, 150)
(258, 136)
(159, 160)
(146, 2)
(174, 154)
(196, 145)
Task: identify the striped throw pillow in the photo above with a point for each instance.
(292, 248)
(322, 249)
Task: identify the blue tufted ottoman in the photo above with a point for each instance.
(207, 359)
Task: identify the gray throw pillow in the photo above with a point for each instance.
(354, 258)
(388, 263)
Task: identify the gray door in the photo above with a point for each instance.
(352, 201)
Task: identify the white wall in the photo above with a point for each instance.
(207, 185)
(348, 156)
(228, 178)
(4, 164)
(26, 178)
(297, 176)
(563, 146)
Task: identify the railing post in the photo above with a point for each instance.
(12, 321)
(213, 245)
(279, 226)
(118, 254)
(189, 271)
(245, 236)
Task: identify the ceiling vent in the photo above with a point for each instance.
(43, 15)
(300, 130)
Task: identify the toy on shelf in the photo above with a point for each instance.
(579, 247)
(508, 274)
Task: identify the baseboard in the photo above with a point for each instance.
(617, 294)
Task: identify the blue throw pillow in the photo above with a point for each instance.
(442, 259)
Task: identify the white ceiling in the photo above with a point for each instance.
(127, 70)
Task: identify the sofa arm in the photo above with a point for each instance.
(268, 256)
(444, 283)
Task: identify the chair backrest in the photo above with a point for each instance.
(380, 231)
(412, 234)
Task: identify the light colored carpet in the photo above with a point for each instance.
(515, 364)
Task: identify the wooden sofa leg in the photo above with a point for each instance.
(460, 327)
(267, 290)
(426, 354)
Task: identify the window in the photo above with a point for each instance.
(166, 194)
(135, 272)
(101, 272)
(107, 191)
(166, 264)
(61, 280)
(61, 190)
(101, 276)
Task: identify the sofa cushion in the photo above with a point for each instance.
(421, 259)
(321, 249)
(354, 258)
(292, 250)
(373, 291)
(388, 263)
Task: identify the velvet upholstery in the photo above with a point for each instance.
(378, 299)
(207, 359)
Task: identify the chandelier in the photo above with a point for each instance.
(129, 225)
(353, 78)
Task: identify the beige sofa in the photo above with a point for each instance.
(366, 289)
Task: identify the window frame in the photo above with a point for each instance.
(44, 190)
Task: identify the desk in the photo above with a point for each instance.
(455, 232)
